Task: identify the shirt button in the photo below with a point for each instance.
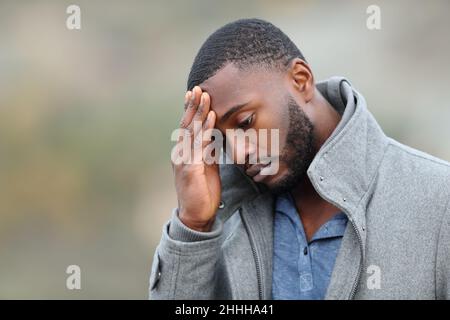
(305, 251)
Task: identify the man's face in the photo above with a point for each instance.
(262, 99)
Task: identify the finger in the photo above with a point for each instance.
(193, 130)
(189, 112)
(187, 99)
(203, 108)
(208, 126)
(208, 146)
(191, 102)
(198, 123)
(197, 92)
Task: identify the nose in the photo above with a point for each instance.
(243, 153)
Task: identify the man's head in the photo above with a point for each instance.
(257, 78)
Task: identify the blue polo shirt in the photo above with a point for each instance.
(302, 270)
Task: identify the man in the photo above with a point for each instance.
(350, 213)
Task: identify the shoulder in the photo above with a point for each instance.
(421, 174)
(419, 161)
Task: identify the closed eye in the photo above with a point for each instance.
(247, 122)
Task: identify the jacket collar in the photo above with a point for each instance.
(345, 167)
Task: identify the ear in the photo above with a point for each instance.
(302, 78)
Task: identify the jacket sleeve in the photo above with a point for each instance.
(443, 258)
(184, 262)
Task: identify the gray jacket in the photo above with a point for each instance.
(396, 244)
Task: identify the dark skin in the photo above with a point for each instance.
(259, 95)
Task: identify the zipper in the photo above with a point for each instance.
(361, 249)
(258, 263)
(255, 255)
(355, 283)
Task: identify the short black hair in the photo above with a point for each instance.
(244, 42)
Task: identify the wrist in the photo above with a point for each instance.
(201, 226)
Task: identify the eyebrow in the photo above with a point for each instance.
(231, 111)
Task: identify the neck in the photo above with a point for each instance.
(315, 211)
(325, 118)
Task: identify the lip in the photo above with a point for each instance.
(259, 177)
(255, 169)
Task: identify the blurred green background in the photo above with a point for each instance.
(86, 118)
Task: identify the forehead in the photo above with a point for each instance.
(231, 86)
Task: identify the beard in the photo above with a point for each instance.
(298, 151)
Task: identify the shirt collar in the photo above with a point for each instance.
(335, 227)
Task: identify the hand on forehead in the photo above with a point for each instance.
(231, 87)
